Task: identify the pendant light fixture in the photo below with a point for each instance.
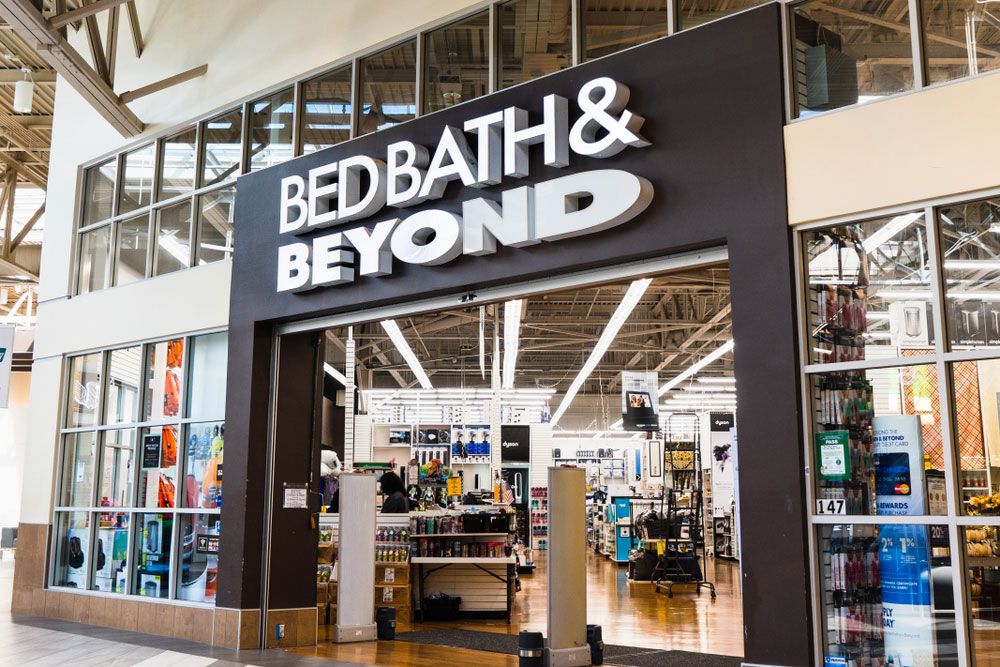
(24, 92)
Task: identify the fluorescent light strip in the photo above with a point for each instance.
(726, 380)
(511, 333)
(335, 374)
(697, 366)
(890, 229)
(625, 308)
(399, 341)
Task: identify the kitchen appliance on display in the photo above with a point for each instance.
(911, 321)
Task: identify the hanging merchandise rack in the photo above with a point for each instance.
(680, 562)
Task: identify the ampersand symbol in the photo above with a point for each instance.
(602, 100)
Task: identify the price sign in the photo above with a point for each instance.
(831, 506)
(454, 486)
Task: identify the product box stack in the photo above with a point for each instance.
(326, 580)
(392, 589)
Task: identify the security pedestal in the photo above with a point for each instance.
(356, 560)
(567, 621)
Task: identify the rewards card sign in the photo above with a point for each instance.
(904, 562)
(899, 471)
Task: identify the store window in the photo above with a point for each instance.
(271, 129)
(133, 250)
(388, 83)
(177, 164)
(216, 225)
(536, 38)
(982, 560)
(970, 247)
(222, 147)
(691, 13)
(869, 289)
(609, 27)
(98, 192)
(960, 38)
(173, 239)
(140, 451)
(456, 62)
(326, 110)
(846, 53)
(887, 595)
(93, 264)
(137, 179)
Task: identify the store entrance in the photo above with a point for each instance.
(461, 412)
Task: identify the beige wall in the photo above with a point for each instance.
(913, 148)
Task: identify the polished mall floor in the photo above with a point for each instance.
(630, 614)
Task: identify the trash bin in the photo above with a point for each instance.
(385, 622)
(596, 641)
(530, 649)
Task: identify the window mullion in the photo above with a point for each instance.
(917, 45)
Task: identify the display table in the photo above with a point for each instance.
(486, 585)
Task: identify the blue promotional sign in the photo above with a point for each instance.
(907, 624)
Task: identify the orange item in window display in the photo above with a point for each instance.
(171, 394)
(984, 504)
(168, 448)
(175, 353)
(165, 493)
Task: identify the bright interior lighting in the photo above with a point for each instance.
(890, 229)
(726, 380)
(625, 308)
(697, 366)
(972, 264)
(399, 341)
(335, 374)
(512, 311)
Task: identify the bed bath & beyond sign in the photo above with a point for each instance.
(360, 186)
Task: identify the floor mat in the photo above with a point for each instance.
(631, 656)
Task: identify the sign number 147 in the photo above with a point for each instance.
(831, 506)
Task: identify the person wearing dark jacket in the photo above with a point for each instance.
(396, 501)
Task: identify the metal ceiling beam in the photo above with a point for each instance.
(35, 217)
(162, 84)
(15, 75)
(694, 337)
(65, 18)
(28, 22)
(135, 28)
(9, 268)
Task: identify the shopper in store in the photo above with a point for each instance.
(396, 501)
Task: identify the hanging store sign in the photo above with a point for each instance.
(408, 174)
(640, 401)
(515, 443)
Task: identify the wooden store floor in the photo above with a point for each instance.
(631, 614)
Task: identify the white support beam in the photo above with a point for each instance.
(28, 22)
(74, 15)
(15, 75)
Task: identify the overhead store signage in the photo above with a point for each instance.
(408, 174)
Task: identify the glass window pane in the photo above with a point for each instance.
(388, 87)
(215, 226)
(960, 38)
(158, 467)
(970, 245)
(887, 596)
(98, 192)
(110, 552)
(207, 383)
(982, 556)
(849, 53)
(271, 129)
(696, 12)
(84, 390)
(92, 270)
(164, 379)
(72, 549)
(121, 402)
(878, 442)
(116, 468)
(869, 290)
(137, 179)
(536, 38)
(133, 246)
(326, 118)
(203, 465)
(222, 147)
(976, 400)
(173, 239)
(456, 62)
(611, 26)
(79, 461)
(177, 165)
(200, 549)
(151, 573)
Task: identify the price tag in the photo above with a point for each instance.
(454, 486)
(831, 506)
(390, 575)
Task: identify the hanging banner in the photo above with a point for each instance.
(6, 362)
(907, 625)
(899, 466)
(721, 425)
(640, 401)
